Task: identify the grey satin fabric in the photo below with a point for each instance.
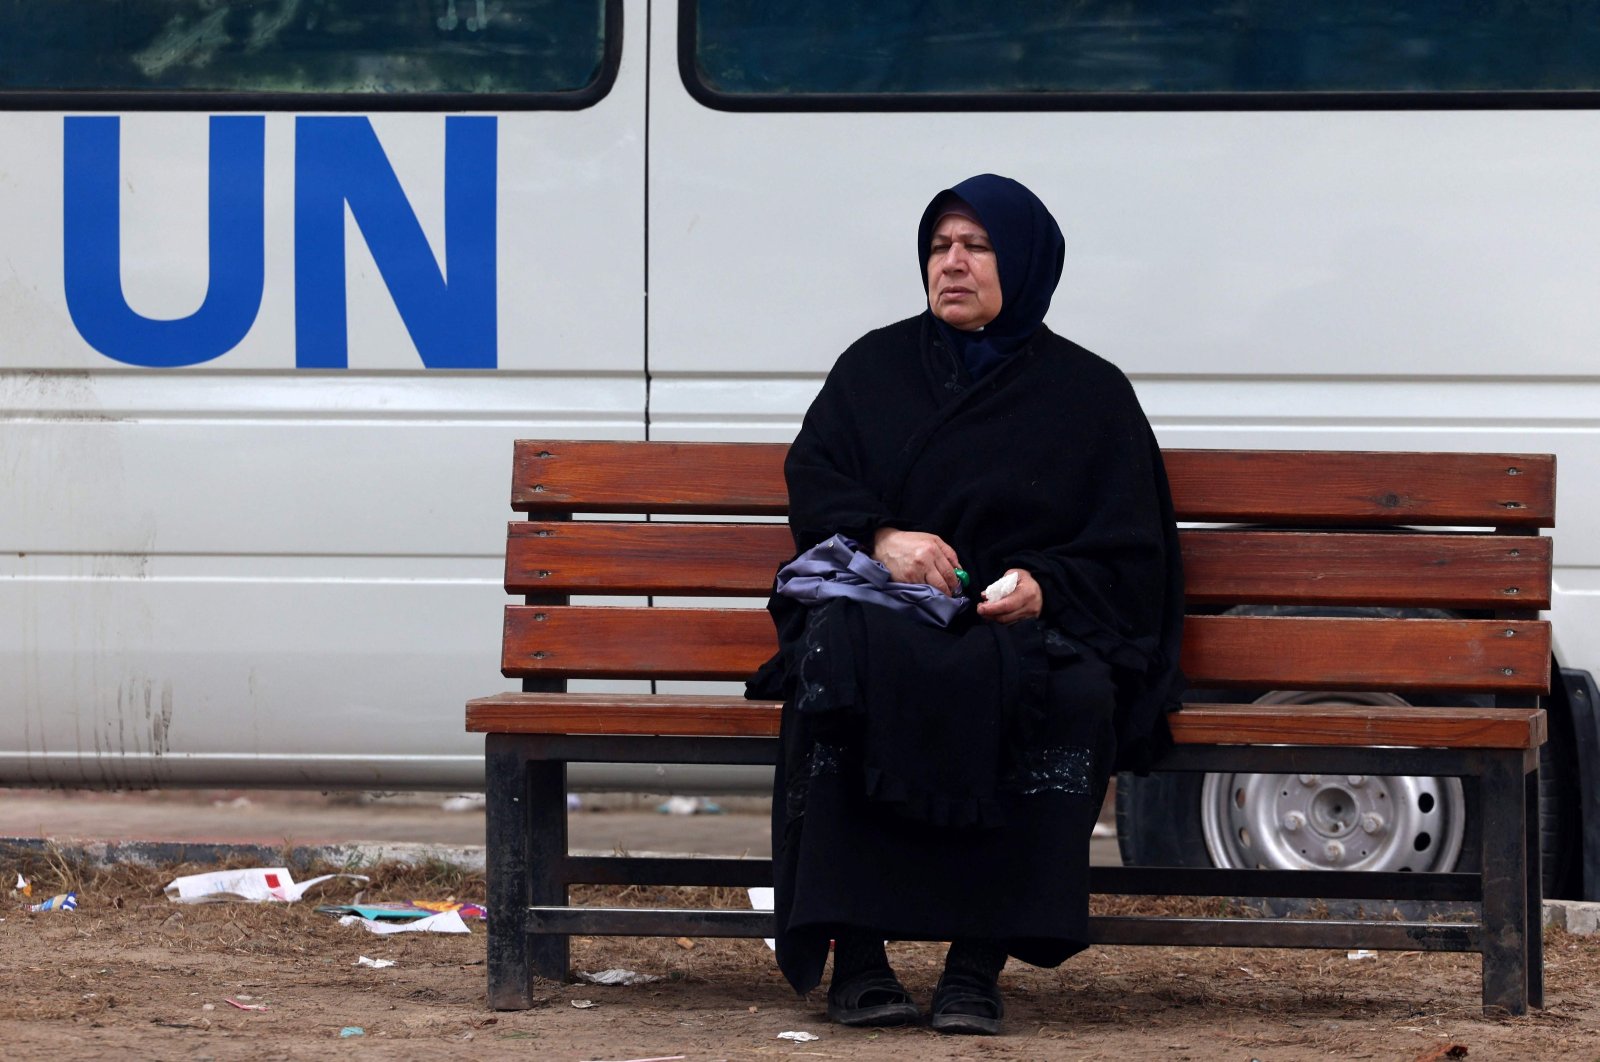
(836, 568)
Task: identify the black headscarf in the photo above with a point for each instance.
(1029, 251)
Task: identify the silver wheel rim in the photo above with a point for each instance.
(1333, 821)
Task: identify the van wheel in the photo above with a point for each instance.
(1337, 822)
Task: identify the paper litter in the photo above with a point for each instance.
(584, 1004)
(688, 805)
(376, 964)
(251, 885)
(799, 1037)
(444, 922)
(618, 977)
(761, 900)
(404, 909)
(67, 901)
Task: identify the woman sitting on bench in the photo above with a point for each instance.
(943, 765)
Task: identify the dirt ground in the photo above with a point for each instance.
(131, 974)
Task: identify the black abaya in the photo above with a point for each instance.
(943, 783)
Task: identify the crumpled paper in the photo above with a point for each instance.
(443, 922)
(618, 977)
(250, 885)
(1001, 587)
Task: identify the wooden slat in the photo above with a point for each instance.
(1249, 652)
(1282, 652)
(655, 643)
(1327, 568)
(1220, 567)
(695, 715)
(603, 557)
(654, 714)
(1355, 488)
(1355, 724)
(1237, 486)
(655, 477)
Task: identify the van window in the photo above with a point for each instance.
(1136, 48)
(365, 47)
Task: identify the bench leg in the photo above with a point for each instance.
(525, 852)
(547, 864)
(1530, 801)
(1505, 886)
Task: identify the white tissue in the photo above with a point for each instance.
(1001, 587)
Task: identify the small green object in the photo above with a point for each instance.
(351, 1030)
(961, 574)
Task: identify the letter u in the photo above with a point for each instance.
(92, 251)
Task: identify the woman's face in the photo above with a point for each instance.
(963, 276)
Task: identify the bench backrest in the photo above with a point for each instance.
(1484, 561)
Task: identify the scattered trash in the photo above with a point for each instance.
(208, 1006)
(752, 1008)
(464, 802)
(657, 1058)
(245, 1006)
(1103, 829)
(376, 964)
(236, 802)
(403, 910)
(799, 1037)
(23, 886)
(761, 900)
(1361, 953)
(574, 802)
(351, 1030)
(618, 977)
(444, 922)
(584, 1004)
(684, 805)
(252, 885)
(67, 901)
(685, 943)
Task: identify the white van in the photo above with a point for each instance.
(280, 282)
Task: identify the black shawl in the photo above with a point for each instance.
(1047, 464)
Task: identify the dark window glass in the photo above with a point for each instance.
(302, 46)
(754, 47)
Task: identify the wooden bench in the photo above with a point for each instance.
(1495, 579)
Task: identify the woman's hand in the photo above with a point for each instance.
(917, 557)
(1024, 602)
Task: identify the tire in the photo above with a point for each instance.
(1188, 820)
(1340, 822)
(1560, 788)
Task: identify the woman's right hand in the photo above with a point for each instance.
(917, 557)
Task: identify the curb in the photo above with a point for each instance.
(295, 857)
(1581, 918)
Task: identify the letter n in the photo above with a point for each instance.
(339, 161)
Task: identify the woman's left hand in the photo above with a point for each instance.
(1025, 602)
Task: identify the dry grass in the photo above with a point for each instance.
(53, 869)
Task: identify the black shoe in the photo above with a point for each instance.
(966, 1003)
(871, 998)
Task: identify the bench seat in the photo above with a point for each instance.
(698, 715)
